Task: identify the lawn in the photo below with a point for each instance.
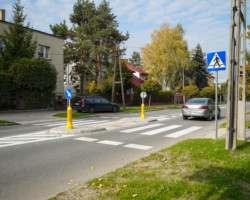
(138, 109)
(7, 122)
(192, 169)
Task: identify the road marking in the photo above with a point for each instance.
(109, 142)
(77, 122)
(28, 138)
(183, 132)
(86, 139)
(162, 119)
(137, 146)
(160, 130)
(140, 128)
(64, 122)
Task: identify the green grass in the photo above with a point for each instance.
(192, 169)
(138, 109)
(74, 115)
(7, 122)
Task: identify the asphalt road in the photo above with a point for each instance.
(37, 165)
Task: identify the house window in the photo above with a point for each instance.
(43, 51)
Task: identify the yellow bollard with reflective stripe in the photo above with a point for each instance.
(142, 111)
(69, 118)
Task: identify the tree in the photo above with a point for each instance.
(150, 86)
(18, 42)
(89, 41)
(135, 60)
(166, 54)
(200, 74)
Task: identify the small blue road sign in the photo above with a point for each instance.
(216, 61)
(68, 93)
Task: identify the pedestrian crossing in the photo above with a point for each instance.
(115, 143)
(172, 131)
(78, 122)
(29, 138)
(148, 130)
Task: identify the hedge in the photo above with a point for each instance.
(5, 89)
(34, 80)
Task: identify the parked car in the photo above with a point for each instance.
(200, 107)
(93, 104)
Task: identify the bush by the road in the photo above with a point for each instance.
(34, 80)
(5, 89)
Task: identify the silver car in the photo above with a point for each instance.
(200, 107)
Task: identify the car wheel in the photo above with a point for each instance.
(79, 111)
(91, 110)
(184, 117)
(210, 117)
(114, 109)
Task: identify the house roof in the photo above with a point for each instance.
(136, 81)
(9, 23)
(134, 69)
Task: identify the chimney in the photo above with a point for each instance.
(2, 14)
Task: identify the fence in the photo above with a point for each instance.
(135, 100)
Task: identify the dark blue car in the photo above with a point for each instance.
(93, 104)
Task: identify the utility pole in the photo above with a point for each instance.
(236, 107)
(118, 54)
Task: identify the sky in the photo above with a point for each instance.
(206, 22)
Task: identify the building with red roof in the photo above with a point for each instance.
(138, 75)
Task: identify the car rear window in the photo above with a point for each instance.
(198, 101)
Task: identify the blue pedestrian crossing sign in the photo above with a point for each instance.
(216, 61)
(68, 93)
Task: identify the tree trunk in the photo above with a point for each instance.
(82, 77)
(149, 100)
(99, 67)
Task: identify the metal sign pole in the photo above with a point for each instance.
(67, 81)
(216, 106)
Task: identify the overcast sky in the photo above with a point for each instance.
(205, 21)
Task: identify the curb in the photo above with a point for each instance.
(63, 131)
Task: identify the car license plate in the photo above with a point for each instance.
(76, 104)
(194, 113)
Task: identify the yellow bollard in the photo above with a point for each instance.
(69, 118)
(142, 111)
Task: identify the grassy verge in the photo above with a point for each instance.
(74, 115)
(192, 169)
(138, 109)
(7, 122)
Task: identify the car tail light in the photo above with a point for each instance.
(83, 103)
(184, 106)
(203, 107)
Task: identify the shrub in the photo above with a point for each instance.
(5, 89)
(208, 92)
(34, 80)
(190, 91)
(166, 92)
